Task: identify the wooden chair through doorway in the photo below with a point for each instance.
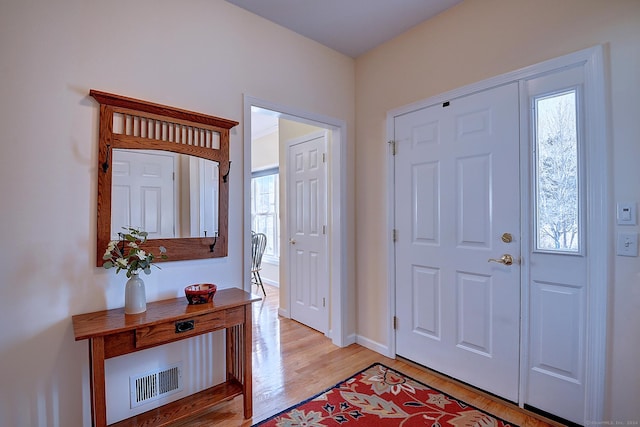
(258, 244)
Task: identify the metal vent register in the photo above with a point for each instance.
(154, 385)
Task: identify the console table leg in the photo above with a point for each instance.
(97, 384)
(247, 349)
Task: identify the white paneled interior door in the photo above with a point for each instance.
(307, 213)
(457, 207)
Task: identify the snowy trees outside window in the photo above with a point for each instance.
(557, 184)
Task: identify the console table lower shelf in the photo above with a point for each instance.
(111, 333)
(185, 407)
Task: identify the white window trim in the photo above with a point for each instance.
(580, 251)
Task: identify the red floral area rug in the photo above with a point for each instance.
(380, 396)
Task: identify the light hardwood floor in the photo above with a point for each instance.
(292, 362)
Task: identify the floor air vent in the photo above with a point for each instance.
(154, 385)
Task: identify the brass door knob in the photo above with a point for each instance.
(505, 259)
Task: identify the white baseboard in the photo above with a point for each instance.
(284, 313)
(375, 346)
(351, 339)
(270, 282)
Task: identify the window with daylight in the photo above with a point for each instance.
(264, 211)
(556, 172)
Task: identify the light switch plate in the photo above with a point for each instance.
(627, 244)
(626, 213)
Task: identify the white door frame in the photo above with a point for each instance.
(340, 305)
(598, 193)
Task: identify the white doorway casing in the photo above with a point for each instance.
(339, 304)
(597, 190)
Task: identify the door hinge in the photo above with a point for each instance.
(395, 322)
(324, 157)
(324, 229)
(394, 235)
(324, 302)
(393, 146)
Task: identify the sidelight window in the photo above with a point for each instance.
(557, 165)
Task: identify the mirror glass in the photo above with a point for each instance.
(169, 195)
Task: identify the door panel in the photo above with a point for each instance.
(474, 313)
(557, 353)
(426, 216)
(307, 213)
(426, 289)
(457, 192)
(557, 343)
(474, 176)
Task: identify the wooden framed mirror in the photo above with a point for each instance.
(163, 170)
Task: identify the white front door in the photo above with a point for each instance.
(457, 208)
(308, 272)
(455, 196)
(143, 193)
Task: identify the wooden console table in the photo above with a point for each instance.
(111, 333)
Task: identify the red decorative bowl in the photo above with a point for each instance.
(200, 293)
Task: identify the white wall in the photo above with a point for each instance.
(270, 275)
(471, 42)
(201, 55)
(265, 152)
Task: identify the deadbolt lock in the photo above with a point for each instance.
(507, 238)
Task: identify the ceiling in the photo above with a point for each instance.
(351, 27)
(263, 122)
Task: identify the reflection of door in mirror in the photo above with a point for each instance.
(143, 192)
(200, 198)
(166, 194)
(209, 210)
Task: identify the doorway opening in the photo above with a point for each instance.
(265, 193)
(270, 130)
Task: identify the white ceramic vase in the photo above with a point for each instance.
(135, 298)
